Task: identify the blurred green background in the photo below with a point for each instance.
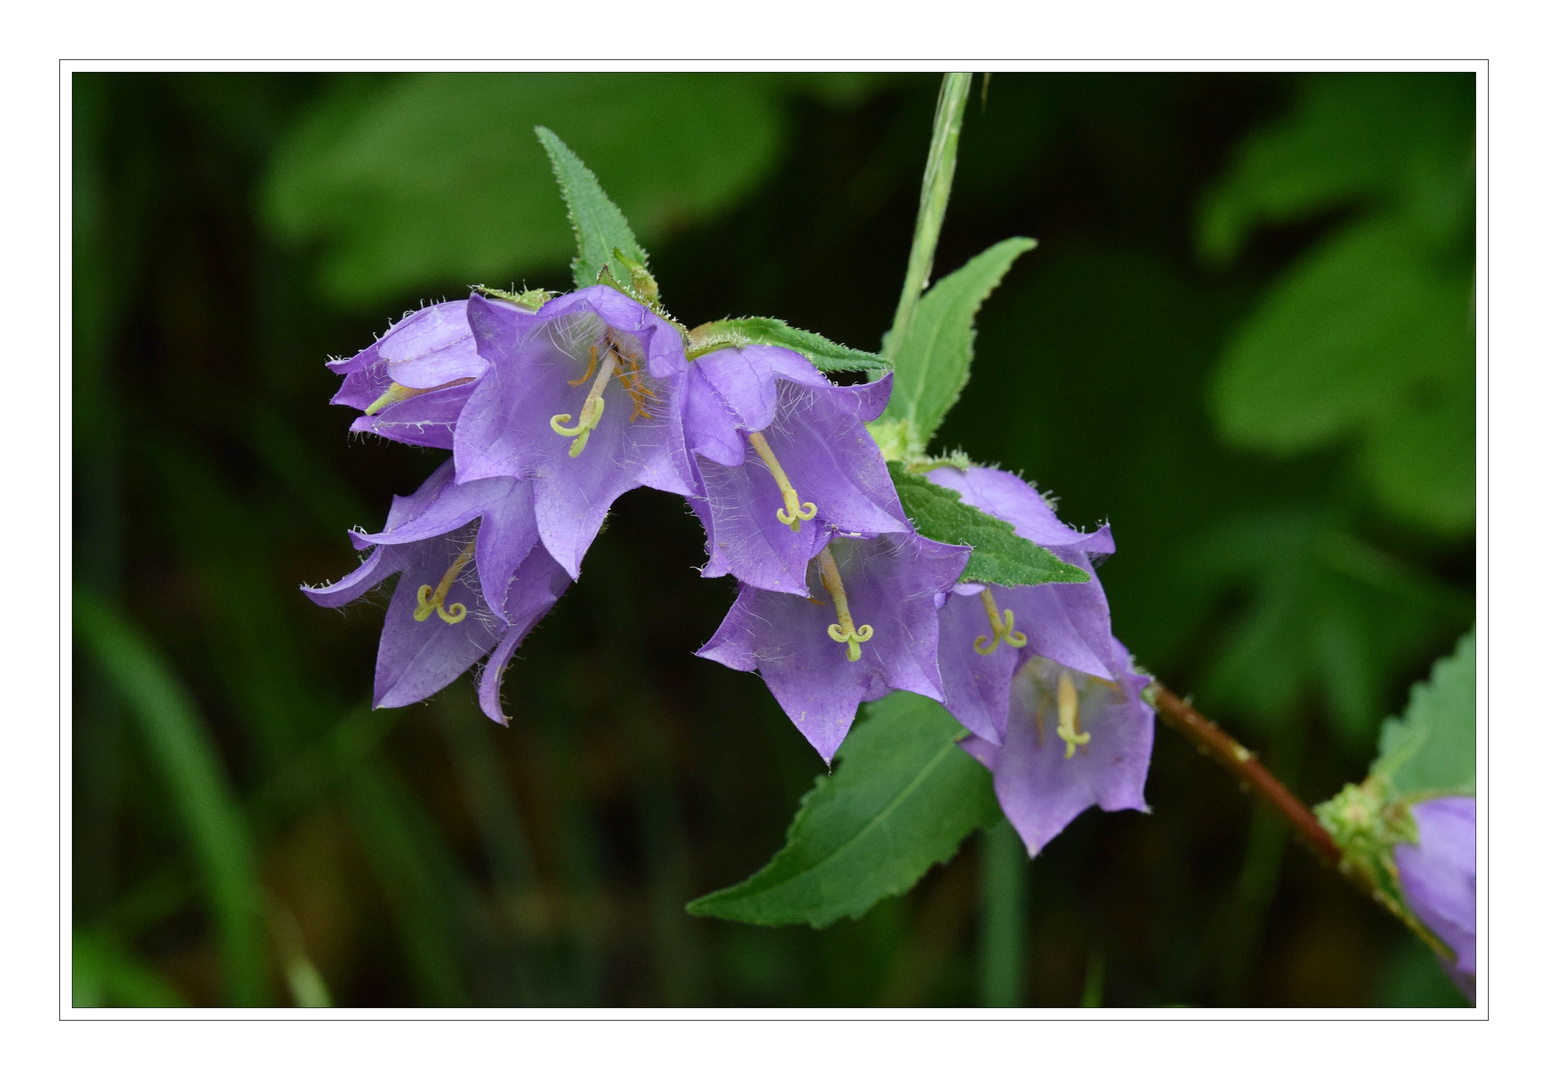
(1245, 339)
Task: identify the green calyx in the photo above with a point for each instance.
(531, 299)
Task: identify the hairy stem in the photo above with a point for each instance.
(940, 167)
(1244, 765)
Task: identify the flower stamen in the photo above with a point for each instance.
(1004, 628)
(795, 510)
(589, 369)
(1069, 718)
(395, 393)
(591, 409)
(435, 601)
(843, 631)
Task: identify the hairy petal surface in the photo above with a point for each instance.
(1040, 785)
(893, 583)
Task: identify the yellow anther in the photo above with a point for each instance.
(591, 411)
(394, 394)
(1004, 628)
(795, 510)
(589, 369)
(1069, 718)
(844, 631)
(435, 600)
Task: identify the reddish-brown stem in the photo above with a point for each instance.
(1243, 764)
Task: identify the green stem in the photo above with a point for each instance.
(940, 167)
(1003, 898)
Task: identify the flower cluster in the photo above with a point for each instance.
(554, 408)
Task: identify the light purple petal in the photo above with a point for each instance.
(977, 686)
(415, 658)
(432, 347)
(1438, 874)
(1039, 788)
(710, 426)
(534, 588)
(745, 537)
(380, 565)
(891, 583)
(832, 461)
(1012, 499)
(505, 428)
(1067, 622)
(427, 419)
(744, 381)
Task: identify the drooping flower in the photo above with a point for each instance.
(867, 627)
(412, 383)
(474, 581)
(1072, 740)
(784, 458)
(582, 397)
(1438, 876)
(986, 631)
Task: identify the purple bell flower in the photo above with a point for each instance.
(785, 459)
(1072, 740)
(1438, 876)
(867, 627)
(1051, 698)
(584, 398)
(986, 631)
(474, 581)
(413, 382)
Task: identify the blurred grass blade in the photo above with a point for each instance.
(104, 973)
(1003, 872)
(185, 757)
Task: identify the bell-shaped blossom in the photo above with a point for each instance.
(474, 581)
(583, 397)
(1438, 877)
(784, 458)
(1072, 740)
(412, 383)
(986, 631)
(867, 627)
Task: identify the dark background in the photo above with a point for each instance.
(232, 231)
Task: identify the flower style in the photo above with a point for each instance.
(868, 625)
(466, 590)
(412, 383)
(784, 459)
(1438, 876)
(582, 397)
(986, 631)
(1072, 740)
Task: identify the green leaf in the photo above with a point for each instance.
(1431, 750)
(1367, 338)
(1399, 140)
(1328, 621)
(932, 361)
(1000, 557)
(600, 227)
(409, 183)
(902, 799)
(184, 755)
(827, 355)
